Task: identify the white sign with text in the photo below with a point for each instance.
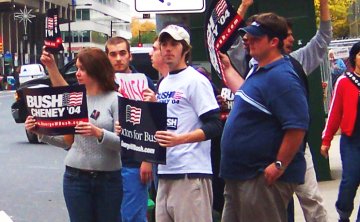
(131, 86)
(170, 6)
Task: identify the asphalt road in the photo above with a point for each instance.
(30, 174)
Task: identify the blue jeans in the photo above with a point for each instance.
(92, 197)
(134, 203)
(350, 156)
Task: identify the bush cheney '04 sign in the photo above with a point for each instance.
(170, 6)
(57, 110)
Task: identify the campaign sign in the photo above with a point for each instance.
(57, 110)
(131, 85)
(53, 40)
(222, 23)
(139, 122)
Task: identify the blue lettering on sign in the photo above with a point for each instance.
(172, 123)
(162, 1)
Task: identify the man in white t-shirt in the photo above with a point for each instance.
(185, 191)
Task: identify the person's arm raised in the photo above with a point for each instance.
(245, 4)
(324, 11)
(232, 78)
(55, 76)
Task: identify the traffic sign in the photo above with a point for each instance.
(170, 6)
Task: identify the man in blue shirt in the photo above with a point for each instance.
(261, 161)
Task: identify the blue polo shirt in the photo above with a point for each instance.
(269, 102)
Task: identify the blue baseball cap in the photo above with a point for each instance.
(255, 29)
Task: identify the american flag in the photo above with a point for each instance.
(220, 7)
(177, 95)
(73, 99)
(133, 114)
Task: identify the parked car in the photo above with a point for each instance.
(18, 108)
(141, 60)
(31, 71)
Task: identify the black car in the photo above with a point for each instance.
(18, 108)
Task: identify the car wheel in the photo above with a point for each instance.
(32, 137)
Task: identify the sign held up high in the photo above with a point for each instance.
(170, 6)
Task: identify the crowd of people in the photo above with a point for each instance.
(265, 157)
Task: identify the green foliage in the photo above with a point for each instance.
(98, 37)
(146, 37)
(339, 16)
(146, 30)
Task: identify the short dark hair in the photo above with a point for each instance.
(289, 24)
(355, 49)
(275, 24)
(98, 66)
(186, 47)
(251, 19)
(116, 40)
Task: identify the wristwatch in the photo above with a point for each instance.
(279, 165)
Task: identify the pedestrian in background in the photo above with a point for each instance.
(337, 67)
(345, 112)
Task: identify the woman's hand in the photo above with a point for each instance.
(47, 59)
(324, 150)
(30, 124)
(89, 129)
(118, 128)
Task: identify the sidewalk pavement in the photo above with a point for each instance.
(329, 189)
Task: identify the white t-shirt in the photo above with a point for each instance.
(188, 95)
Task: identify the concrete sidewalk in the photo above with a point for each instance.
(329, 189)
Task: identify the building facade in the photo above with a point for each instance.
(22, 27)
(94, 22)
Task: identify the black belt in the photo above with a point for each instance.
(89, 173)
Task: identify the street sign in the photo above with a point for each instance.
(170, 6)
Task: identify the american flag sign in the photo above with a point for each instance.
(177, 95)
(72, 99)
(220, 7)
(133, 114)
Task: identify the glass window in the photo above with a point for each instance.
(86, 36)
(78, 14)
(75, 36)
(85, 14)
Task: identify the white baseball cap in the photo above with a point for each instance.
(176, 32)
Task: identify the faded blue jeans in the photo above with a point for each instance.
(350, 158)
(134, 204)
(92, 197)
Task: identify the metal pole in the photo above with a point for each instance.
(110, 28)
(69, 31)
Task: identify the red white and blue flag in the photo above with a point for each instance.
(73, 99)
(220, 7)
(177, 95)
(133, 114)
